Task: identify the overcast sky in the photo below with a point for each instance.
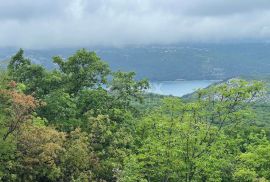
(80, 23)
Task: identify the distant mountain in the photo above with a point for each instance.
(186, 61)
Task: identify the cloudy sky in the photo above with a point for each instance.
(77, 23)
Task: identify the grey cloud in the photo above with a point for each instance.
(224, 7)
(29, 9)
(68, 23)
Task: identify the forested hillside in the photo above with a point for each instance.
(171, 62)
(84, 122)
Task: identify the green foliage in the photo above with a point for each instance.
(255, 162)
(60, 109)
(39, 149)
(97, 101)
(125, 89)
(21, 70)
(82, 70)
(7, 158)
(111, 142)
(78, 159)
(188, 140)
(72, 124)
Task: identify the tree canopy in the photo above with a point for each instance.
(83, 122)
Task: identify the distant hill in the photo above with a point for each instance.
(187, 61)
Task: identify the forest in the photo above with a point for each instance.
(84, 122)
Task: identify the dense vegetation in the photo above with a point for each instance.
(83, 122)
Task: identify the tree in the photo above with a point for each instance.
(16, 64)
(111, 143)
(60, 110)
(78, 160)
(254, 164)
(39, 150)
(126, 89)
(82, 70)
(98, 101)
(21, 70)
(188, 141)
(18, 108)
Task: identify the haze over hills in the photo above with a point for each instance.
(172, 62)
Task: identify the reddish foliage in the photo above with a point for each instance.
(12, 84)
(19, 107)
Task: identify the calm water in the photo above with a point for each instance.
(179, 88)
